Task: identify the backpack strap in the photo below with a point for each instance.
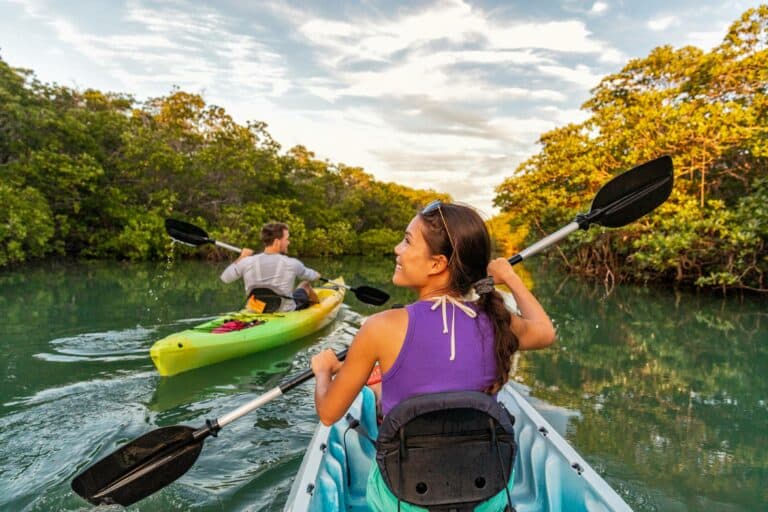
(272, 300)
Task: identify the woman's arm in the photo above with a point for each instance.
(533, 327)
(334, 395)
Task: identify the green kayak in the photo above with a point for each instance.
(201, 346)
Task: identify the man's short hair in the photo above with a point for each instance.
(272, 231)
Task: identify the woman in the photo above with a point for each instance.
(442, 342)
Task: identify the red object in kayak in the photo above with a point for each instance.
(235, 325)
(375, 377)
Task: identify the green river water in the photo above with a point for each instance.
(664, 393)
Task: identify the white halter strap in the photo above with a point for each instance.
(441, 301)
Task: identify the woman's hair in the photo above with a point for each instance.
(272, 231)
(467, 245)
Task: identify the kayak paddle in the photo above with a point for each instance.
(189, 234)
(154, 460)
(624, 199)
(364, 293)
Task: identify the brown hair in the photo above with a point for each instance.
(468, 260)
(272, 231)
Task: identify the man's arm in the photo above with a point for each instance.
(235, 271)
(305, 273)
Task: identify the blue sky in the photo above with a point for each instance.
(449, 95)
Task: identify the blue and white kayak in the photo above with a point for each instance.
(549, 474)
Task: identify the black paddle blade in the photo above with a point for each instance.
(630, 195)
(186, 233)
(141, 467)
(371, 295)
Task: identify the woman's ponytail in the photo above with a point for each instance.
(505, 342)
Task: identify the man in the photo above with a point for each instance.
(274, 270)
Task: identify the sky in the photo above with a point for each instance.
(449, 95)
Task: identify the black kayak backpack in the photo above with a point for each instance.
(447, 451)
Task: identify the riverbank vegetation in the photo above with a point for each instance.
(93, 174)
(709, 111)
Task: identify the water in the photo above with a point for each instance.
(664, 393)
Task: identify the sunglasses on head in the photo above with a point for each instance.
(436, 205)
(431, 207)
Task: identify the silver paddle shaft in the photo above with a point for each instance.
(279, 390)
(547, 241)
(250, 406)
(227, 246)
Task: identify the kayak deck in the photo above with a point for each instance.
(198, 346)
(549, 473)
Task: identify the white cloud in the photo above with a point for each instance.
(598, 7)
(449, 22)
(412, 66)
(169, 20)
(561, 36)
(434, 75)
(414, 79)
(580, 75)
(468, 168)
(612, 56)
(708, 39)
(663, 23)
(522, 131)
(187, 45)
(565, 116)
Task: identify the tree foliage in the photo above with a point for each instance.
(94, 174)
(709, 110)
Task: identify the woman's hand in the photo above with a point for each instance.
(325, 363)
(502, 272)
(533, 328)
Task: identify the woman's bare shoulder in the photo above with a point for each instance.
(384, 333)
(385, 324)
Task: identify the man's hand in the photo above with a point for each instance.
(244, 253)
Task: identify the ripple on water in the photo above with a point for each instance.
(50, 436)
(101, 346)
(76, 389)
(59, 431)
(109, 346)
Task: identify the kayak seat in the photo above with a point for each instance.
(447, 451)
(271, 299)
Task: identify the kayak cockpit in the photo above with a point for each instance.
(549, 474)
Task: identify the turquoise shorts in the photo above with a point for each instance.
(381, 499)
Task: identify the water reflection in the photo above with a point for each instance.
(664, 393)
(670, 387)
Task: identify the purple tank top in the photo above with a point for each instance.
(424, 363)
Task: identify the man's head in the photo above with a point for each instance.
(275, 237)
